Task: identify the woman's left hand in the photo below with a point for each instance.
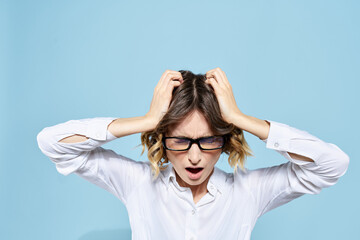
(224, 94)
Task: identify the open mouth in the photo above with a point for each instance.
(194, 170)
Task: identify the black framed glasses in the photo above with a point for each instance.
(184, 143)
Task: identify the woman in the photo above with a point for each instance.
(191, 121)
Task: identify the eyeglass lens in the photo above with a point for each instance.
(183, 143)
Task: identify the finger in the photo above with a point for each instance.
(214, 70)
(208, 73)
(217, 75)
(220, 76)
(226, 80)
(178, 76)
(163, 76)
(168, 75)
(174, 75)
(212, 73)
(166, 94)
(172, 85)
(213, 83)
(172, 79)
(170, 88)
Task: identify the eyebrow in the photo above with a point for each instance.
(181, 136)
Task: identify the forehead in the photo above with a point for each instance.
(193, 126)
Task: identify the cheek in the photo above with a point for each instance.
(173, 156)
(215, 156)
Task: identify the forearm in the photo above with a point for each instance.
(119, 127)
(253, 125)
(261, 128)
(126, 126)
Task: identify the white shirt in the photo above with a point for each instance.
(164, 210)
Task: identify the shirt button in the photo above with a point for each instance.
(193, 212)
(276, 144)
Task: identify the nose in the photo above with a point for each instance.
(194, 153)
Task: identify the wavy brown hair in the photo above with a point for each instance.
(194, 94)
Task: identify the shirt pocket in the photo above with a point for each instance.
(244, 233)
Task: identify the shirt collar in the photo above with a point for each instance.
(216, 182)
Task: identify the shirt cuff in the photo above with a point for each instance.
(109, 136)
(96, 128)
(284, 138)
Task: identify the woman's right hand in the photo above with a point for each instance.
(162, 95)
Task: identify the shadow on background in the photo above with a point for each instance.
(123, 234)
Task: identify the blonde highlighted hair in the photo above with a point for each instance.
(194, 94)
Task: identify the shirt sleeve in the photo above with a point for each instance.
(105, 168)
(274, 186)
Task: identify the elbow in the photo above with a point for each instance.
(40, 138)
(339, 160)
(344, 161)
(340, 165)
(41, 135)
(329, 175)
(43, 141)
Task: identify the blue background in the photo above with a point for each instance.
(295, 62)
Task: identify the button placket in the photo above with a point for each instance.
(191, 224)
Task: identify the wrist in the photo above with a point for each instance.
(253, 125)
(238, 119)
(150, 122)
